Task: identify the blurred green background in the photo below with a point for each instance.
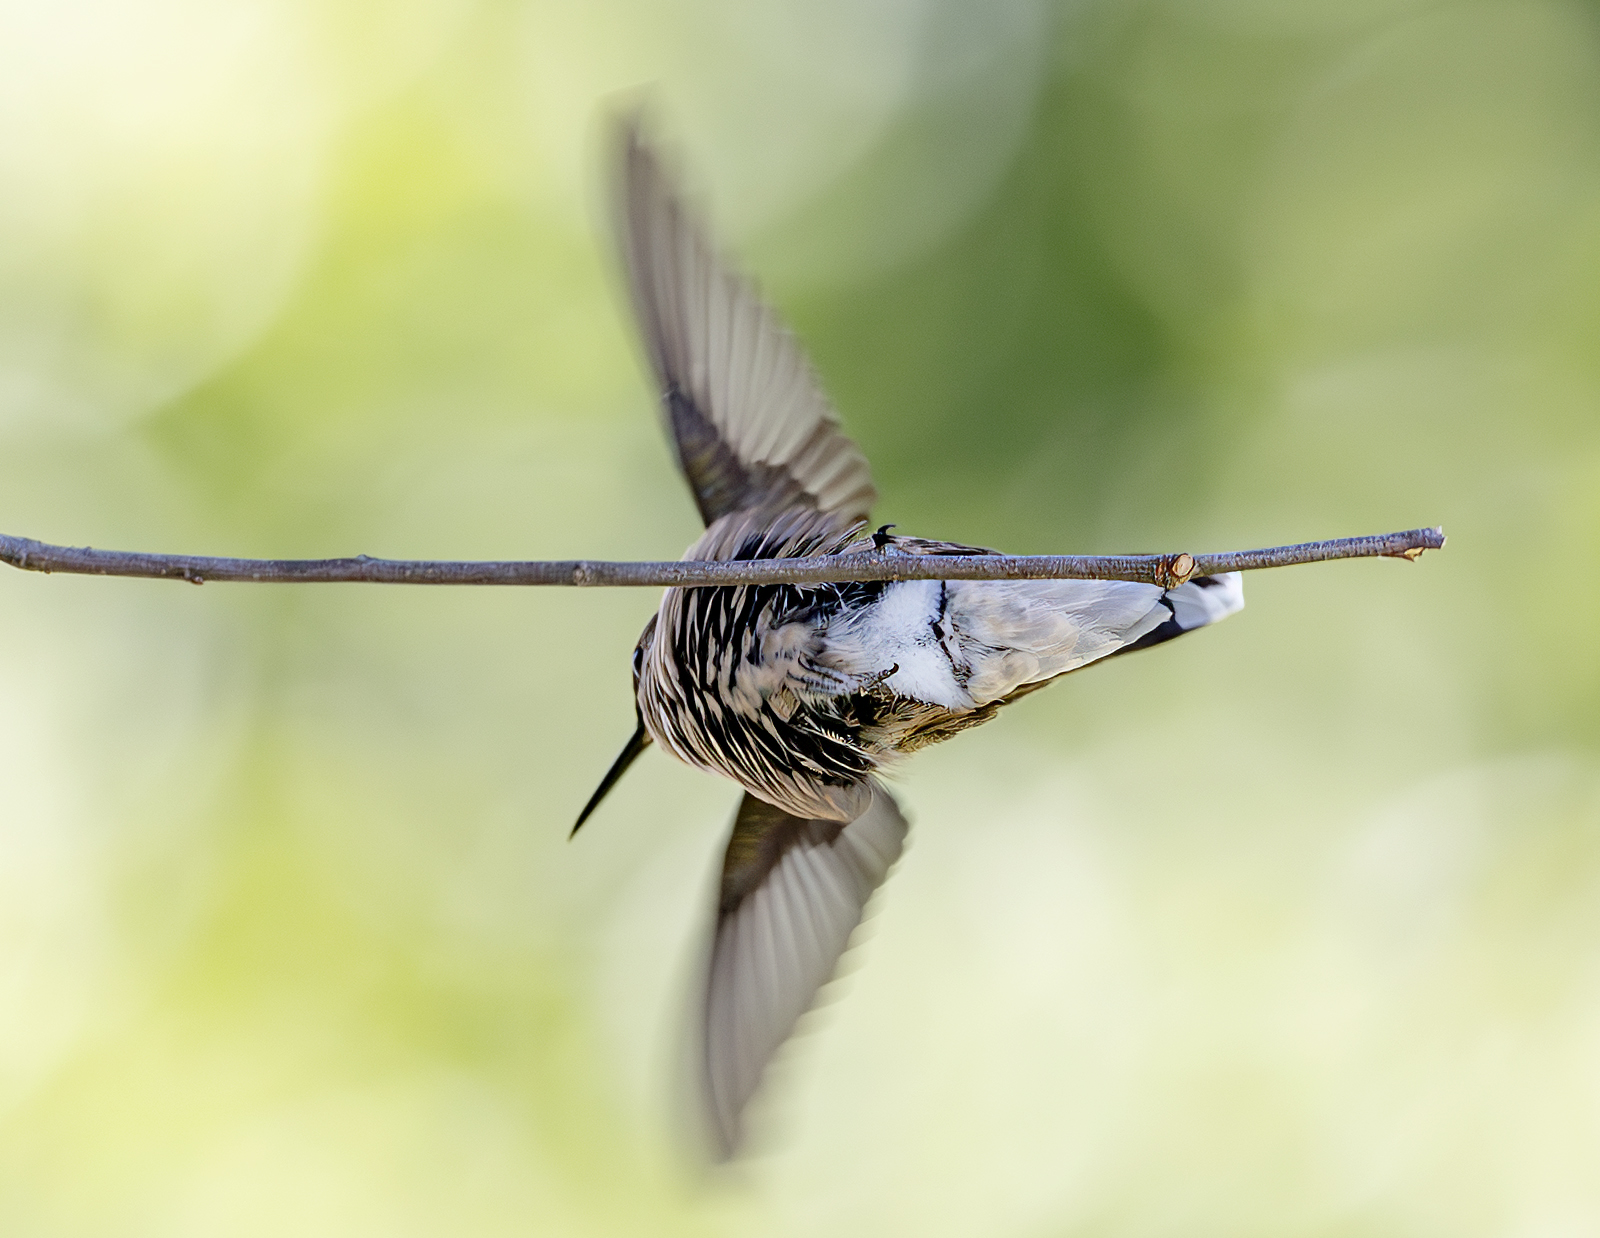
(1289, 928)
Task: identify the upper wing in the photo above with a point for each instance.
(793, 891)
(751, 425)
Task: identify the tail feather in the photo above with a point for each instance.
(1202, 601)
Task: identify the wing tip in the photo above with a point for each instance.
(771, 417)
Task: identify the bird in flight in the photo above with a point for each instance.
(804, 694)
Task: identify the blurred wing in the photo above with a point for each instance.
(793, 890)
(751, 425)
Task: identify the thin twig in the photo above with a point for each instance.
(1165, 570)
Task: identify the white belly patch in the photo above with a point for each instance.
(898, 632)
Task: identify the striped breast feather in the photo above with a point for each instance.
(750, 422)
(721, 671)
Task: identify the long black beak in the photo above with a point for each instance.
(619, 767)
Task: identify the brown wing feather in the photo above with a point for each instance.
(793, 890)
(750, 422)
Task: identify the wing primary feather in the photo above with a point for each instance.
(747, 416)
(793, 891)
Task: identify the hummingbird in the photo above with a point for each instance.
(804, 695)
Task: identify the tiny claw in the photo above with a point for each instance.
(1412, 555)
(881, 538)
(879, 678)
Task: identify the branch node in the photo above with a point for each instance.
(1174, 570)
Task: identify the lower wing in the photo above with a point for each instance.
(793, 891)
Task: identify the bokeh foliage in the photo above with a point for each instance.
(1289, 927)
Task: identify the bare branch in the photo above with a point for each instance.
(1165, 570)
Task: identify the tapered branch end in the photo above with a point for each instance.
(1409, 546)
